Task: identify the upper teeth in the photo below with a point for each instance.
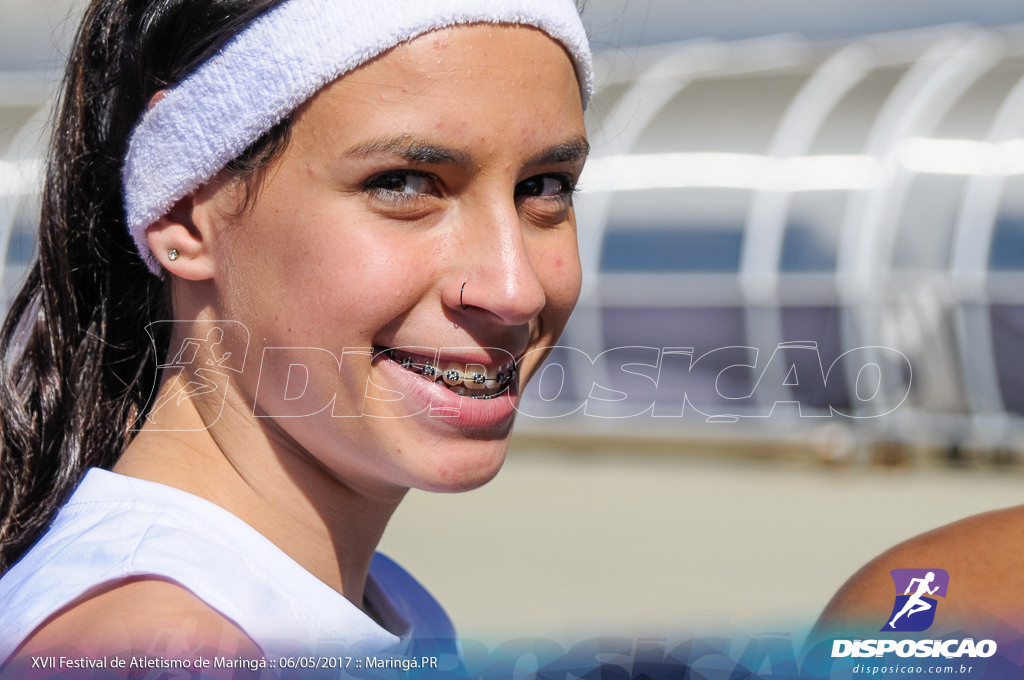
(473, 376)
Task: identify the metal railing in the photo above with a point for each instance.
(896, 156)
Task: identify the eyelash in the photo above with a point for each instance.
(566, 189)
(376, 186)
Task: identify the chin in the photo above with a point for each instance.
(468, 467)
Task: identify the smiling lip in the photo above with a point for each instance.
(476, 380)
(462, 401)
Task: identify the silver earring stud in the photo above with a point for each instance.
(173, 254)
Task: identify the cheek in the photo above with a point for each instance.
(315, 273)
(562, 276)
(357, 294)
(561, 273)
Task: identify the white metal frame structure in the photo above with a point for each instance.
(933, 69)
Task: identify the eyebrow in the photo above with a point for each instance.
(571, 151)
(413, 150)
(410, 149)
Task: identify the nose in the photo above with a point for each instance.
(497, 273)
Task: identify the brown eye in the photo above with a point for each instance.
(545, 186)
(402, 184)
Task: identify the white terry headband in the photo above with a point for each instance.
(279, 61)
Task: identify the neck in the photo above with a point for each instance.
(330, 526)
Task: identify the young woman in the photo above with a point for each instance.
(353, 242)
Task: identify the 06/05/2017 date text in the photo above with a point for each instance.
(367, 662)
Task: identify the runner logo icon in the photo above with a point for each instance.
(914, 609)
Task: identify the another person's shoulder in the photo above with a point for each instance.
(145, 616)
(984, 559)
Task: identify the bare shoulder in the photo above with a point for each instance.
(141, 616)
(985, 560)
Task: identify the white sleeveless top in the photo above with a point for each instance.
(115, 527)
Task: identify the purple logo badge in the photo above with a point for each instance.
(914, 610)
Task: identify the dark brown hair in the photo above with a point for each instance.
(78, 365)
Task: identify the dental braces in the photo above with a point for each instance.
(453, 375)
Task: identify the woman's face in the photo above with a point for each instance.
(422, 212)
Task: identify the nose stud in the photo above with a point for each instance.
(461, 291)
